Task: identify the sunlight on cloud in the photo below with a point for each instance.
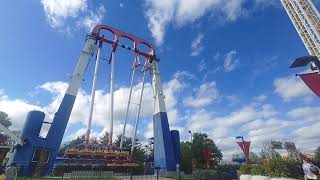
(291, 87)
(205, 95)
(231, 61)
(17, 110)
(196, 46)
(161, 14)
(92, 19)
(60, 14)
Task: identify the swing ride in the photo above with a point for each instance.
(39, 154)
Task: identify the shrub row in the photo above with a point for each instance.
(277, 167)
(211, 174)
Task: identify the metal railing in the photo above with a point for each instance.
(84, 174)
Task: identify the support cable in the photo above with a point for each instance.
(139, 109)
(133, 69)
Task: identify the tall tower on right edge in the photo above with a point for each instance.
(306, 19)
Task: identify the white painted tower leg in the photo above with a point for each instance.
(111, 98)
(93, 90)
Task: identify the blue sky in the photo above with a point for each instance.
(224, 66)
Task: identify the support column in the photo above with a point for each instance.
(93, 92)
(111, 97)
(163, 147)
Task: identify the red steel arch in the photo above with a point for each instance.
(119, 34)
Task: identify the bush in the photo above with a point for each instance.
(258, 169)
(212, 175)
(295, 169)
(245, 169)
(277, 167)
(227, 167)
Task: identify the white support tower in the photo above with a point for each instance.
(306, 19)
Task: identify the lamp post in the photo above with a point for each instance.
(305, 60)
(190, 136)
(311, 79)
(192, 159)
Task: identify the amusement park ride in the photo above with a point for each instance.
(34, 152)
(306, 19)
(39, 154)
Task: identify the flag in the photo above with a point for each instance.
(207, 154)
(312, 80)
(245, 147)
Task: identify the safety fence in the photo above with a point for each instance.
(103, 173)
(78, 173)
(85, 177)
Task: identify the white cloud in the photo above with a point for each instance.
(161, 14)
(308, 114)
(260, 98)
(17, 110)
(291, 87)
(202, 65)
(63, 14)
(233, 99)
(243, 115)
(149, 132)
(205, 95)
(196, 45)
(78, 133)
(183, 74)
(265, 65)
(223, 129)
(92, 19)
(59, 10)
(231, 61)
(266, 3)
(233, 9)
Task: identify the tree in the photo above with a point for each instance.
(186, 157)
(94, 141)
(201, 142)
(139, 153)
(317, 154)
(72, 144)
(254, 157)
(267, 152)
(104, 140)
(4, 119)
(127, 142)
